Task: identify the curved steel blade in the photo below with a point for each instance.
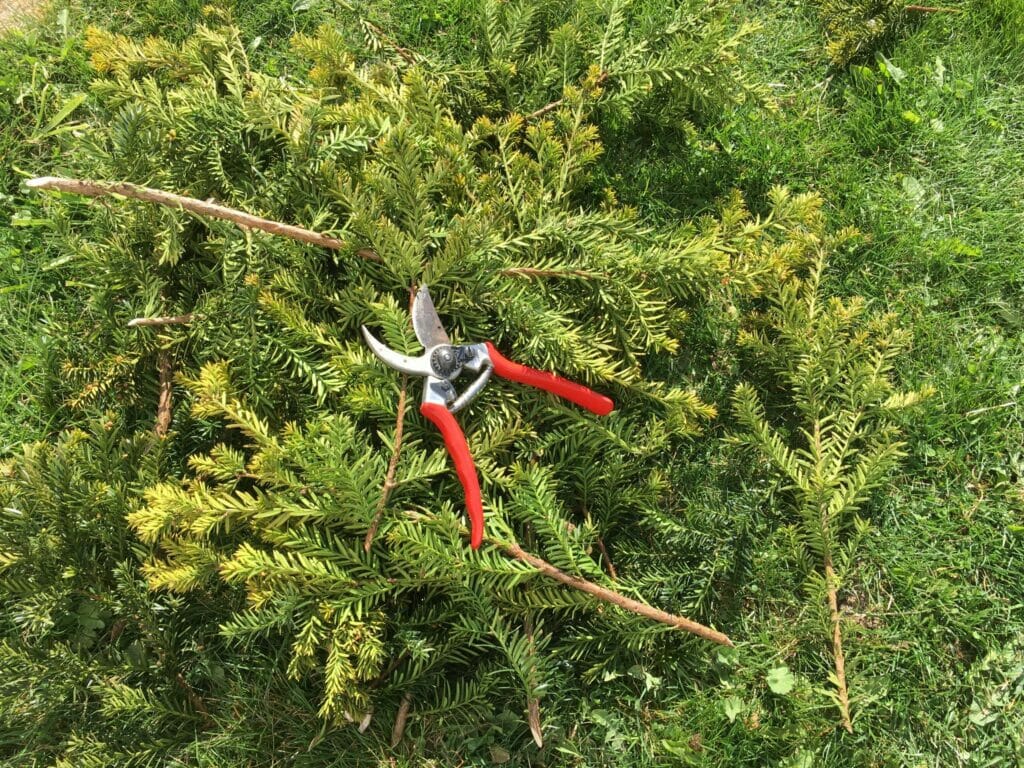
(414, 366)
(425, 321)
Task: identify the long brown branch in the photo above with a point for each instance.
(192, 205)
(608, 596)
(389, 477)
(837, 645)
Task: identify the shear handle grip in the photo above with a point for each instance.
(458, 449)
(576, 393)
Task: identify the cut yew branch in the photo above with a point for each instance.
(163, 406)
(194, 699)
(608, 596)
(837, 646)
(141, 322)
(192, 205)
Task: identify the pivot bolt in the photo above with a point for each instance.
(445, 362)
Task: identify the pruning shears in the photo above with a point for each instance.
(441, 364)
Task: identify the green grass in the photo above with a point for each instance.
(41, 71)
(928, 164)
(923, 150)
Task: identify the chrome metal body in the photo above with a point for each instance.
(441, 362)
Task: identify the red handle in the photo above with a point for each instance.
(455, 442)
(570, 390)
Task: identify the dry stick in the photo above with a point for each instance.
(140, 322)
(381, 678)
(191, 204)
(556, 104)
(400, 719)
(405, 53)
(244, 220)
(929, 9)
(194, 699)
(533, 272)
(163, 406)
(532, 702)
(608, 596)
(837, 645)
(389, 477)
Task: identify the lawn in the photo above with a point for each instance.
(918, 144)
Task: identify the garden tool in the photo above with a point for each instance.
(441, 364)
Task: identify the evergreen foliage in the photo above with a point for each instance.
(856, 27)
(833, 435)
(89, 655)
(206, 599)
(275, 469)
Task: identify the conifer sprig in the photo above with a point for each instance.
(842, 439)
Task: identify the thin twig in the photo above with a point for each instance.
(191, 204)
(389, 477)
(194, 699)
(976, 411)
(396, 662)
(556, 104)
(532, 701)
(163, 406)
(533, 272)
(608, 596)
(409, 56)
(607, 559)
(140, 322)
(837, 645)
(930, 9)
(400, 719)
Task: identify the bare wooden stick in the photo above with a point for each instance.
(930, 9)
(532, 702)
(534, 272)
(163, 406)
(400, 719)
(194, 699)
(608, 596)
(837, 646)
(405, 53)
(559, 102)
(389, 477)
(192, 205)
(141, 322)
